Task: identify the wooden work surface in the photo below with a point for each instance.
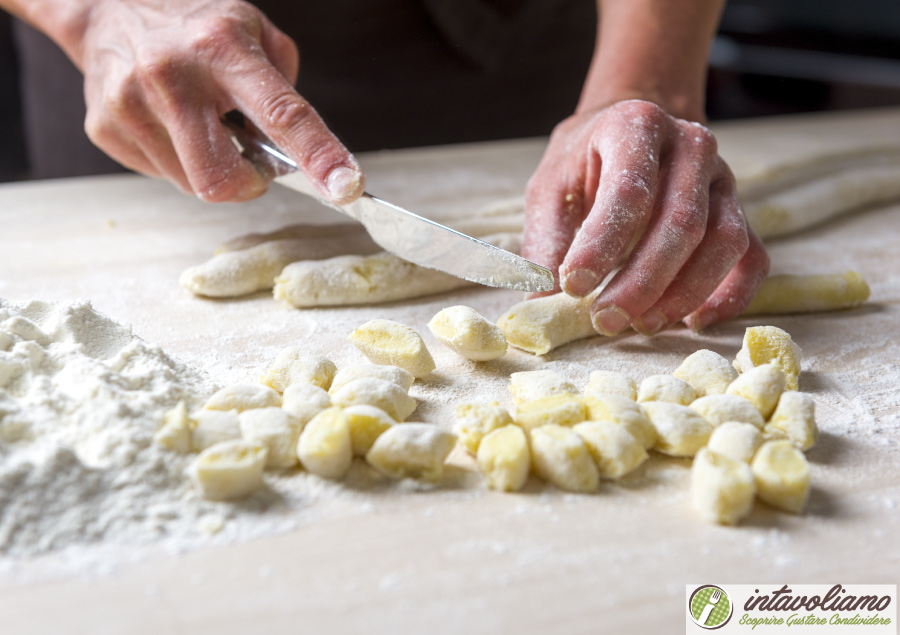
(461, 559)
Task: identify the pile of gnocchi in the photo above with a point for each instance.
(744, 422)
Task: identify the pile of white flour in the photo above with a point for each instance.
(80, 399)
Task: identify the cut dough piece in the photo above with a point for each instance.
(707, 372)
(175, 432)
(722, 488)
(809, 294)
(770, 344)
(782, 476)
(562, 410)
(761, 386)
(680, 430)
(325, 448)
(666, 388)
(529, 385)
(736, 440)
(604, 382)
(795, 417)
(245, 266)
(717, 409)
(276, 429)
(367, 423)
(376, 392)
(393, 374)
(305, 401)
(229, 470)
(504, 458)
(412, 450)
(624, 412)
(562, 458)
(382, 277)
(467, 333)
(242, 397)
(394, 344)
(615, 450)
(475, 420)
(294, 366)
(540, 325)
(211, 427)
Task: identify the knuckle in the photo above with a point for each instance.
(283, 110)
(635, 187)
(686, 224)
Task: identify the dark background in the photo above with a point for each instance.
(771, 57)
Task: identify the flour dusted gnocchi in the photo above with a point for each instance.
(475, 420)
(376, 392)
(393, 374)
(242, 397)
(666, 388)
(504, 458)
(213, 426)
(604, 382)
(782, 475)
(412, 450)
(615, 450)
(736, 440)
(723, 489)
(717, 409)
(805, 294)
(770, 345)
(535, 384)
(229, 470)
(276, 429)
(761, 386)
(795, 417)
(562, 410)
(707, 372)
(305, 401)
(624, 412)
(367, 423)
(294, 366)
(467, 333)
(394, 344)
(562, 458)
(325, 447)
(175, 432)
(680, 430)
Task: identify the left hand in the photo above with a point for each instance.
(629, 181)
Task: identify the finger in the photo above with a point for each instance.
(734, 294)
(263, 94)
(554, 209)
(212, 164)
(675, 232)
(281, 50)
(624, 199)
(725, 243)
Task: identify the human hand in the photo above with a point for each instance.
(159, 75)
(648, 188)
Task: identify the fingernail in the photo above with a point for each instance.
(699, 321)
(651, 322)
(580, 282)
(343, 182)
(610, 321)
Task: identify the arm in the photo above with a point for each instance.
(632, 178)
(159, 75)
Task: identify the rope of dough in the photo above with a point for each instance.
(538, 326)
(382, 277)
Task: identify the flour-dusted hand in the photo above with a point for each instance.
(630, 177)
(160, 74)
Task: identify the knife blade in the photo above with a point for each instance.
(401, 232)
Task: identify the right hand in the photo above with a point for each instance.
(159, 75)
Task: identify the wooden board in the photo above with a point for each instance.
(460, 558)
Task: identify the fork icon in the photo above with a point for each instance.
(713, 600)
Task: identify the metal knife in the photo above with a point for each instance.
(407, 235)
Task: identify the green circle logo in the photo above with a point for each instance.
(710, 607)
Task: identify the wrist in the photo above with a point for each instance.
(63, 21)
